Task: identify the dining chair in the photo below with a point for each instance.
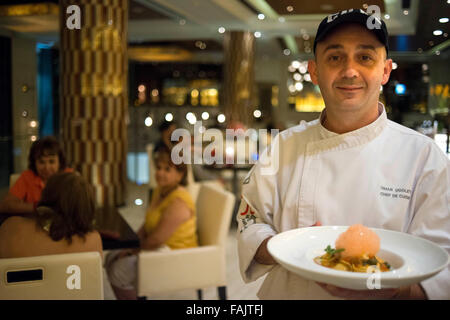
(13, 178)
(72, 276)
(193, 268)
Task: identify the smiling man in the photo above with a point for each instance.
(335, 170)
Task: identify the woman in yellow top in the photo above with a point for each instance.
(170, 223)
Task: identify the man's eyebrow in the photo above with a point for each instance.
(333, 46)
(360, 46)
(366, 46)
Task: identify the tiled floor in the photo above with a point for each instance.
(236, 288)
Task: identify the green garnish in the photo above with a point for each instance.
(387, 265)
(332, 251)
(372, 261)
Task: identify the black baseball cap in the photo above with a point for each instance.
(370, 21)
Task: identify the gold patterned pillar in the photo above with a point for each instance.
(239, 47)
(94, 100)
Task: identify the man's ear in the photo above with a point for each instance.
(312, 69)
(386, 71)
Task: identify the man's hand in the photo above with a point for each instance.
(263, 256)
(404, 293)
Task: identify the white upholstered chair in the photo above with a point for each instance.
(193, 268)
(13, 178)
(73, 276)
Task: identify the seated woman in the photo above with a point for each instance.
(170, 223)
(63, 222)
(45, 159)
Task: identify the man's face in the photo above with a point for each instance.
(350, 67)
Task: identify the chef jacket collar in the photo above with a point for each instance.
(352, 138)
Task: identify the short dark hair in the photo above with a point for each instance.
(163, 126)
(47, 146)
(67, 206)
(164, 154)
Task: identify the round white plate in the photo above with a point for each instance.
(412, 259)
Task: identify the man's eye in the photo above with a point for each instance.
(366, 58)
(333, 58)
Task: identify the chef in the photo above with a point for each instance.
(352, 165)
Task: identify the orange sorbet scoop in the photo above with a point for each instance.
(358, 240)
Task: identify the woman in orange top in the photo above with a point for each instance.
(46, 158)
(170, 223)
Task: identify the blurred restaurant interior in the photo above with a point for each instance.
(105, 88)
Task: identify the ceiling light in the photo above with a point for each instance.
(221, 30)
(138, 202)
(286, 52)
(291, 88)
(303, 69)
(443, 20)
(387, 17)
(307, 77)
(257, 113)
(257, 34)
(205, 115)
(299, 86)
(405, 12)
(394, 65)
(261, 16)
(141, 88)
(168, 117)
(437, 32)
(295, 64)
(182, 22)
(297, 77)
(290, 8)
(221, 118)
(148, 121)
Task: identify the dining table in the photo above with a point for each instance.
(114, 230)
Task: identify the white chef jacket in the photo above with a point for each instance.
(383, 175)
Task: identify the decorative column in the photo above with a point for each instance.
(94, 97)
(238, 93)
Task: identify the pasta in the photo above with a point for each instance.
(355, 252)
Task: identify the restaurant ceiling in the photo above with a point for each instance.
(322, 7)
(184, 22)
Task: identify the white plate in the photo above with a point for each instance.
(412, 259)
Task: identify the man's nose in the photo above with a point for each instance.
(350, 70)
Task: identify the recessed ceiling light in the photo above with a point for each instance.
(257, 34)
(394, 65)
(221, 30)
(286, 52)
(405, 12)
(437, 32)
(387, 17)
(148, 121)
(261, 16)
(443, 20)
(290, 8)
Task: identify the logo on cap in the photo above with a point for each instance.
(373, 19)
